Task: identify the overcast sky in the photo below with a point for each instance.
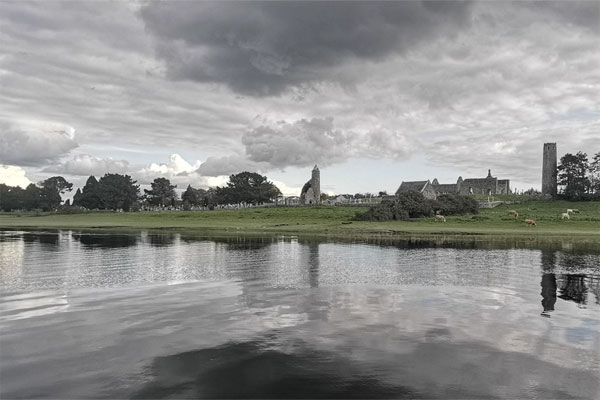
(374, 93)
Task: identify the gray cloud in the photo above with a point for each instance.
(86, 165)
(227, 165)
(152, 83)
(299, 144)
(34, 142)
(262, 48)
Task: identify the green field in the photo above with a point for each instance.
(332, 221)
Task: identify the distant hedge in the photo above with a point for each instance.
(413, 204)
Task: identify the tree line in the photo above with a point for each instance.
(579, 177)
(121, 192)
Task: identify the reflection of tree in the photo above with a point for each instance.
(234, 242)
(106, 241)
(161, 239)
(44, 238)
(594, 283)
(572, 287)
(548, 292)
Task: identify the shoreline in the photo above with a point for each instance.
(330, 223)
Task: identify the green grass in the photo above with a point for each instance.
(333, 221)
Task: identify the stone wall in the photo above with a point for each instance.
(479, 186)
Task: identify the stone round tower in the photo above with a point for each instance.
(549, 185)
(316, 184)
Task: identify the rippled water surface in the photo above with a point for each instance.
(172, 316)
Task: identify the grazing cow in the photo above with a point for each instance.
(565, 216)
(440, 218)
(514, 212)
(575, 211)
(569, 211)
(530, 222)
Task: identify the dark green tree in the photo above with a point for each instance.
(90, 195)
(572, 175)
(594, 174)
(116, 191)
(51, 191)
(247, 187)
(193, 197)
(162, 193)
(31, 198)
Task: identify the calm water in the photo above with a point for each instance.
(171, 316)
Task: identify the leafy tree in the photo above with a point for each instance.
(455, 204)
(248, 187)
(162, 192)
(116, 191)
(77, 197)
(595, 174)
(193, 197)
(572, 173)
(415, 204)
(51, 191)
(11, 198)
(90, 196)
(31, 198)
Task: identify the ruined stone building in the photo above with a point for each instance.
(488, 186)
(311, 191)
(424, 187)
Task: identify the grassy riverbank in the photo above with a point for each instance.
(332, 221)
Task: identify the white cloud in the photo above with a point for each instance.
(13, 176)
(287, 190)
(180, 172)
(32, 142)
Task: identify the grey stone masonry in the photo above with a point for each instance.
(311, 191)
(549, 171)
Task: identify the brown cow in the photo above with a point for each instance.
(530, 222)
(576, 211)
(514, 212)
(440, 218)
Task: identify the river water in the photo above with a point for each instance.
(181, 316)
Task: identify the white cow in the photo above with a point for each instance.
(565, 216)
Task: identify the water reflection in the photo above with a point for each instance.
(107, 241)
(177, 315)
(313, 264)
(272, 367)
(571, 287)
(548, 293)
(255, 369)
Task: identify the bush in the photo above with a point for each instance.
(387, 210)
(413, 204)
(455, 204)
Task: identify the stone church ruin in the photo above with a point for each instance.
(311, 191)
(489, 185)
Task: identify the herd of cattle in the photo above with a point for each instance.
(528, 222)
(531, 222)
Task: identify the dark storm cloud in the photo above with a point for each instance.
(262, 48)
